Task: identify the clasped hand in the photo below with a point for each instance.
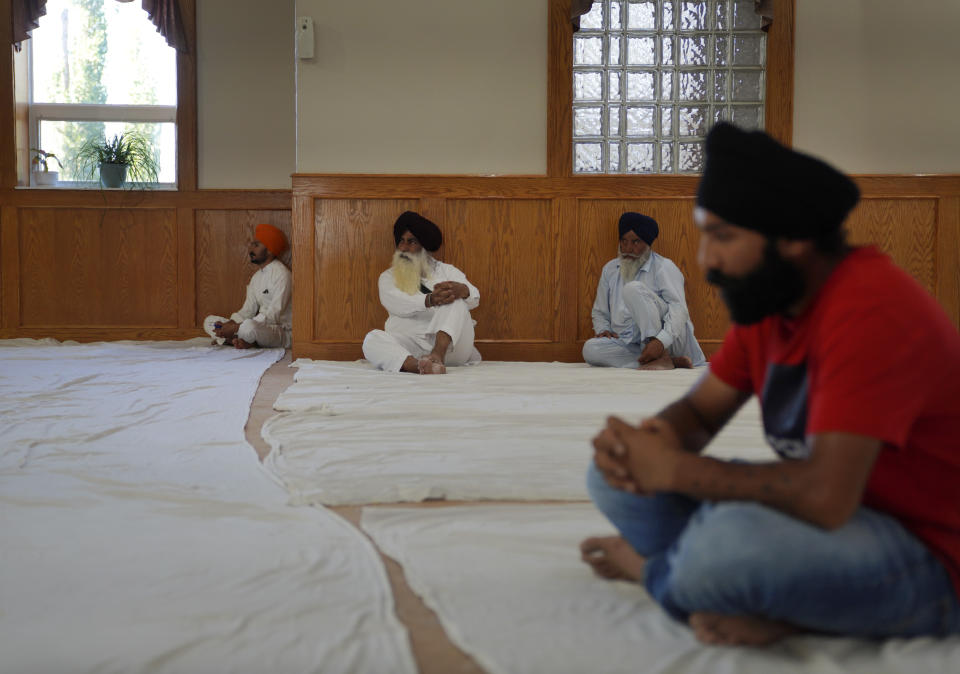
(227, 330)
(640, 459)
(446, 292)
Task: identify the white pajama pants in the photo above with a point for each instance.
(647, 310)
(389, 350)
(251, 331)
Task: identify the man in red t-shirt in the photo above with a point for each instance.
(857, 529)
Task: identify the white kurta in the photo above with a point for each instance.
(412, 327)
(266, 316)
(652, 305)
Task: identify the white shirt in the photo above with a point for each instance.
(409, 314)
(268, 297)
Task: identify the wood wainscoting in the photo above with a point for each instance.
(105, 265)
(94, 265)
(534, 247)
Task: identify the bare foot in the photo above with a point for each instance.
(613, 558)
(738, 630)
(240, 344)
(431, 365)
(682, 362)
(662, 363)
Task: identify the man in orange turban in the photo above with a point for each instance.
(266, 317)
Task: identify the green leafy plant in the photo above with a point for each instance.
(130, 149)
(41, 157)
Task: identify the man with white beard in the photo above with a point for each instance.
(429, 303)
(640, 315)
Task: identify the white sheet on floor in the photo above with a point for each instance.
(509, 588)
(351, 434)
(141, 534)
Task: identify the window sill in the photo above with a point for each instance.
(165, 187)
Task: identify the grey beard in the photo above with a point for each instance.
(629, 266)
(408, 269)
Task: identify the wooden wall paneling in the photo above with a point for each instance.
(303, 267)
(678, 240)
(21, 116)
(559, 89)
(904, 228)
(186, 269)
(140, 288)
(98, 267)
(8, 167)
(433, 208)
(187, 100)
(778, 106)
(948, 257)
(566, 272)
(223, 266)
(507, 248)
(9, 268)
(353, 243)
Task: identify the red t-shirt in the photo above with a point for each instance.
(875, 355)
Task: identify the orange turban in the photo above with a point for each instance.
(273, 238)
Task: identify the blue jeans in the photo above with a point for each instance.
(869, 578)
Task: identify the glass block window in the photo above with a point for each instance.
(650, 77)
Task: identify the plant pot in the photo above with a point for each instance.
(113, 175)
(46, 178)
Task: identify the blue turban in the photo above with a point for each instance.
(642, 225)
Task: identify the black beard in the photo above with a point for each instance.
(772, 288)
(258, 260)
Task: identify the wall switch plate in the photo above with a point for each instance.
(305, 37)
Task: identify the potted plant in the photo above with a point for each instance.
(44, 176)
(129, 156)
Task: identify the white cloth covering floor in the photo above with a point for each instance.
(141, 534)
(350, 434)
(509, 588)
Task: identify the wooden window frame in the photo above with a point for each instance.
(14, 160)
(778, 107)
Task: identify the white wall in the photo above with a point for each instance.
(459, 86)
(245, 93)
(877, 86)
(424, 86)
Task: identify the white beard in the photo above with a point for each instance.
(629, 266)
(408, 269)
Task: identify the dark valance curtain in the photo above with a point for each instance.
(580, 7)
(577, 9)
(765, 9)
(26, 16)
(165, 15)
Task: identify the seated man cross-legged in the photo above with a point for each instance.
(266, 317)
(856, 530)
(428, 301)
(640, 315)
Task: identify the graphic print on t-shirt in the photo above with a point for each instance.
(784, 405)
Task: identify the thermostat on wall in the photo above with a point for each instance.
(305, 37)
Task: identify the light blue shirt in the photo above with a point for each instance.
(660, 275)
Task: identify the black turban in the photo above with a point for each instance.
(753, 181)
(642, 225)
(427, 233)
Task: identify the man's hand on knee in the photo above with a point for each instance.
(608, 333)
